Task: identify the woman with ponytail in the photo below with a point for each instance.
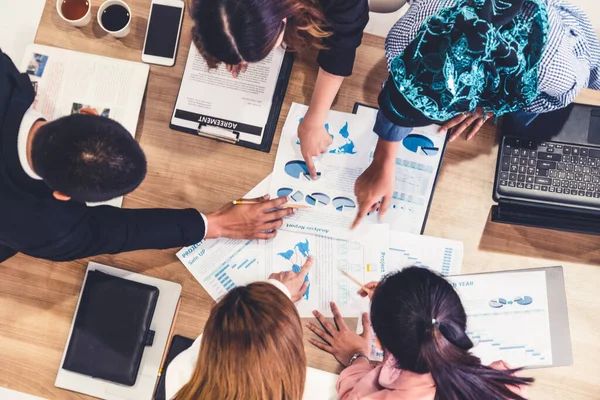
(239, 32)
(461, 62)
(420, 323)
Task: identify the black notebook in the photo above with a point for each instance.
(112, 328)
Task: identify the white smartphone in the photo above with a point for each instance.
(162, 34)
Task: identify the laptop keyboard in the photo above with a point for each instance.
(549, 171)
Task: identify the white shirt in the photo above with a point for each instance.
(31, 117)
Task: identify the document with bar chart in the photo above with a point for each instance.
(406, 249)
(417, 162)
(507, 316)
(222, 264)
(362, 260)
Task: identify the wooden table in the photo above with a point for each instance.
(38, 298)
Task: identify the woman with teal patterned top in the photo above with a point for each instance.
(460, 62)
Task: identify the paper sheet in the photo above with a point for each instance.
(331, 197)
(223, 103)
(222, 264)
(361, 259)
(417, 163)
(406, 249)
(507, 317)
(67, 81)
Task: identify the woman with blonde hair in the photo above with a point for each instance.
(251, 347)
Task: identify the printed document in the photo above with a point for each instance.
(66, 82)
(417, 163)
(507, 317)
(331, 196)
(406, 249)
(216, 102)
(362, 260)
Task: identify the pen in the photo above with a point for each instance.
(353, 279)
(287, 205)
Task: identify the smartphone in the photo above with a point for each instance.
(162, 34)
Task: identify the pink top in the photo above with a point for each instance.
(385, 382)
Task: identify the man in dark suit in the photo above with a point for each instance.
(49, 169)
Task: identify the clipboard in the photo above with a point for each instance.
(232, 137)
(357, 105)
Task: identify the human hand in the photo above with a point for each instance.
(236, 69)
(371, 286)
(375, 183)
(461, 122)
(296, 283)
(314, 141)
(339, 340)
(249, 221)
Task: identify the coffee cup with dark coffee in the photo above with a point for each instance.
(114, 17)
(76, 12)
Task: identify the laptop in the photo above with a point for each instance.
(548, 172)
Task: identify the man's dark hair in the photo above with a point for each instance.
(88, 158)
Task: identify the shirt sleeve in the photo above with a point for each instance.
(350, 377)
(281, 287)
(110, 230)
(347, 20)
(387, 130)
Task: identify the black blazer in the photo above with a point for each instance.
(33, 222)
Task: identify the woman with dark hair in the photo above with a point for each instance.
(420, 323)
(461, 62)
(238, 32)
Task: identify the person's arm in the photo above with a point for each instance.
(110, 230)
(6, 253)
(314, 138)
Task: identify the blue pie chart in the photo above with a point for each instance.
(523, 300)
(497, 303)
(343, 203)
(318, 199)
(420, 144)
(296, 169)
(284, 192)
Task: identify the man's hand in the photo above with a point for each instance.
(253, 221)
(377, 182)
(297, 283)
(314, 141)
(236, 69)
(338, 339)
(461, 122)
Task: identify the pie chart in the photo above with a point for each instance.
(297, 196)
(296, 169)
(420, 144)
(523, 300)
(497, 303)
(343, 203)
(284, 192)
(318, 199)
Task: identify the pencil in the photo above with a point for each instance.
(287, 205)
(353, 279)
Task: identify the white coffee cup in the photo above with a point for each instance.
(120, 33)
(83, 21)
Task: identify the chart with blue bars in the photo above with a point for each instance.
(223, 274)
(521, 351)
(443, 262)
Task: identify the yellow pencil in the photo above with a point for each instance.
(353, 279)
(287, 205)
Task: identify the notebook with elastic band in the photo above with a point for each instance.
(111, 328)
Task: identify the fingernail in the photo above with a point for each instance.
(443, 131)
(294, 210)
(315, 312)
(364, 314)
(308, 325)
(287, 198)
